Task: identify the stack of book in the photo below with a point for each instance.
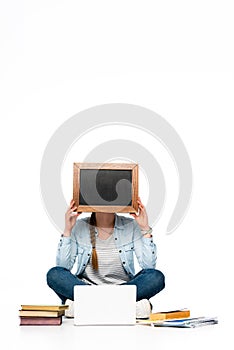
(177, 318)
(41, 315)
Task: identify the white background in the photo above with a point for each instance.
(173, 57)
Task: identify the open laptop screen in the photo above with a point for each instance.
(105, 305)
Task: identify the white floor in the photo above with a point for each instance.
(68, 336)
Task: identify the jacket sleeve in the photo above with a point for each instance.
(145, 249)
(67, 251)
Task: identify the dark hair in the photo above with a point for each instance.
(92, 224)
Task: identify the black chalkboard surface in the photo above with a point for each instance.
(103, 185)
(108, 187)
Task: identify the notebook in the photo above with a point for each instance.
(187, 322)
(105, 305)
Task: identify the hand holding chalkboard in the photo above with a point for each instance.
(70, 218)
(142, 217)
(105, 187)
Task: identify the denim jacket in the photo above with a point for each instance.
(128, 239)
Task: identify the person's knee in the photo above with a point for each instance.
(53, 275)
(160, 278)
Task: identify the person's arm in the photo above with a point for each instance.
(144, 246)
(67, 248)
(70, 219)
(142, 220)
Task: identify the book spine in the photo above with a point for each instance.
(40, 321)
(36, 313)
(44, 307)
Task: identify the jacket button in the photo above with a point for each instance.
(116, 238)
(120, 251)
(152, 252)
(123, 262)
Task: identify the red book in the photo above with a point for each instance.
(40, 321)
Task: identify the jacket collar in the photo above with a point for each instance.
(119, 222)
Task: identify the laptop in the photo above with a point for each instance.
(105, 305)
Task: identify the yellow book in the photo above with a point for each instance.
(168, 315)
(44, 307)
(39, 313)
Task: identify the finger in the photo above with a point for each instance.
(69, 210)
(140, 203)
(134, 215)
(72, 212)
(142, 208)
(72, 203)
(73, 207)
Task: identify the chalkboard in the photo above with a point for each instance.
(108, 187)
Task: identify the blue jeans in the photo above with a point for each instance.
(149, 282)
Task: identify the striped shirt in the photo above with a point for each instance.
(110, 269)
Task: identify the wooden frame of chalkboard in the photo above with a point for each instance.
(105, 187)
